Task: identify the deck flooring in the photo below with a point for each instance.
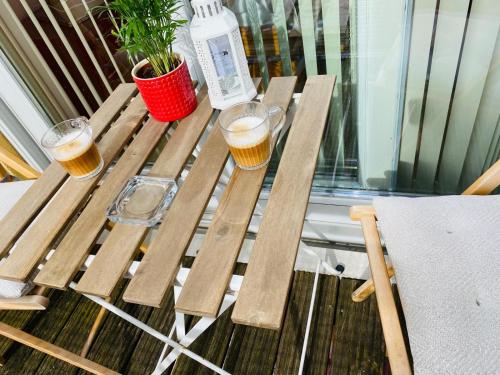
(345, 337)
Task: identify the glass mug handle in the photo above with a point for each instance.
(276, 119)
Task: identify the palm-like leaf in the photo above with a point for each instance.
(147, 27)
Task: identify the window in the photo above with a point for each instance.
(415, 107)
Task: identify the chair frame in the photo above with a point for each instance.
(12, 161)
(36, 301)
(382, 272)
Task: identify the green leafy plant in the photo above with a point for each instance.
(147, 27)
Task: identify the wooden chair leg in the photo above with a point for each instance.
(19, 166)
(52, 350)
(93, 331)
(38, 290)
(367, 288)
(389, 318)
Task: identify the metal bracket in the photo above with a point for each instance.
(186, 339)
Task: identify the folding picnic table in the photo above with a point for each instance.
(49, 234)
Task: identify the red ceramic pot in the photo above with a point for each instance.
(169, 97)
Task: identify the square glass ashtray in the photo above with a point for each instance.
(142, 201)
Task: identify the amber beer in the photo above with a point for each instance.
(71, 144)
(249, 143)
(80, 157)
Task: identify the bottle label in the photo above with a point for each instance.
(222, 56)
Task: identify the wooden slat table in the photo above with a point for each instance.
(68, 216)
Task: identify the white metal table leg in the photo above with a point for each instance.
(330, 270)
(165, 347)
(309, 318)
(201, 326)
(180, 326)
(139, 324)
(204, 323)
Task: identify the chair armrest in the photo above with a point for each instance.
(356, 212)
(17, 164)
(53, 350)
(487, 182)
(391, 326)
(24, 303)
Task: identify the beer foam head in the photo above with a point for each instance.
(245, 132)
(69, 147)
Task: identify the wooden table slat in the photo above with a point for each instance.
(160, 264)
(77, 242)
(262, 298)
(115, 254)
(34, 243)
(207, 282)
(54, 175)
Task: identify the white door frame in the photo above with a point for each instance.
(22, 120)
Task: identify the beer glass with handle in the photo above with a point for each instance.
(70, 142)
(248, 129)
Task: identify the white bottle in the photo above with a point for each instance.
(217, 41)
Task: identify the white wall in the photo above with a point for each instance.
(21, 119)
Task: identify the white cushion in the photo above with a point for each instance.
(446, 254)
(10, 193)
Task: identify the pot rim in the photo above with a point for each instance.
(144, 62)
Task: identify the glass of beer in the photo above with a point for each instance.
(70, 142)
(249, 129)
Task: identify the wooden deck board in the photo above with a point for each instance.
(117, 340)
(74, 334)
(356, 344)
(53, 177)
(294, 326)
(48, 328)
(319, 346)
(292, 336)
(80, 321)
(17, 319)
(252, 351)
(212, 344)
(148, 349)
